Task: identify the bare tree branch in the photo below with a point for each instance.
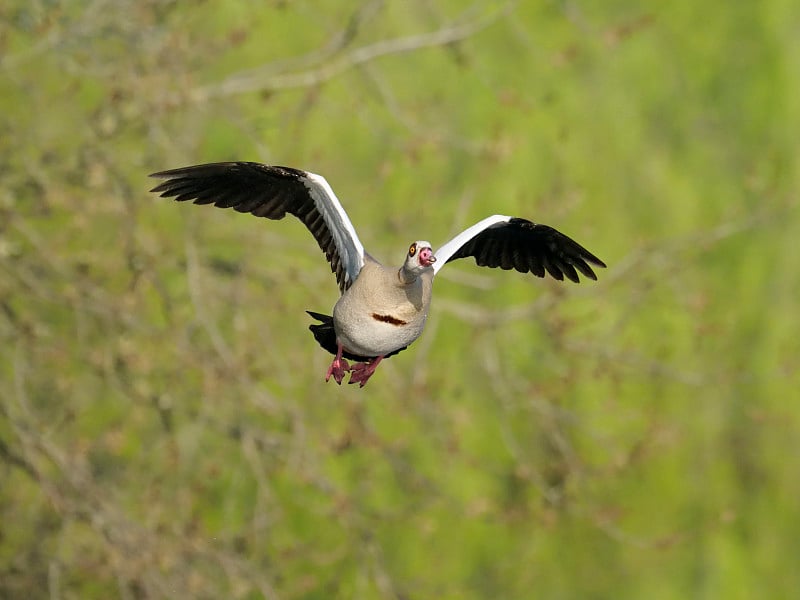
(261, 80)
(341, 40)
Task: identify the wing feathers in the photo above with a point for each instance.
(513, 243)
(271, 192)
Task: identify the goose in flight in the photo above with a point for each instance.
(381, 310)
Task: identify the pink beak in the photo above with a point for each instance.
(426, 257)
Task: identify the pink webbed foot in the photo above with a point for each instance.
(338, 367)
(361, 372)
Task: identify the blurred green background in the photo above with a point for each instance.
(165, 429)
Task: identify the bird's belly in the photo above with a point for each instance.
(373, 334)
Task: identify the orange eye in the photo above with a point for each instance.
(412, 250)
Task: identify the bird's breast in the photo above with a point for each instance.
(377, 316)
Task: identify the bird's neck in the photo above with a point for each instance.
(405, 276)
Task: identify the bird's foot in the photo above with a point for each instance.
(361, 372)
(337, 370)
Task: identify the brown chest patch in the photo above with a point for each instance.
(388, 319)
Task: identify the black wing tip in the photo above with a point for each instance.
(582, 258)
(173, 177)
(165, 189)
(587, 257)
(578, 258)
(169, 173)
(216, 168)
(587, 270)
(583, 263)
(190, 170)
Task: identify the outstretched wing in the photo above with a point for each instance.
(271, 192)
(514, 243)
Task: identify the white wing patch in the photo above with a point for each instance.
(444, 253)
(351, 252)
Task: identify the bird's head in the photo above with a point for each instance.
(419, 258)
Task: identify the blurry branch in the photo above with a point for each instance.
(643, 365)
(263, 79)
(383, 580)
(666, 255)
(509, 392)
(13, 458)
(232, 364)
(83, 27)
(340, 40)
(196, 294)
(136, 554)
(413, 122)
(474, 313)
(39, 269)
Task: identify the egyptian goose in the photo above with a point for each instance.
(381, 310)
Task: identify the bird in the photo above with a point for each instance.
(381, 309)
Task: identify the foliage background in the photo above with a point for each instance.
(165, 430)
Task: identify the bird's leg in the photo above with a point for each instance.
(338, 367)
(361, 372)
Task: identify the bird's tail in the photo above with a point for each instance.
(323, 331)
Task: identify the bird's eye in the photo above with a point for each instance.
(412, 250)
